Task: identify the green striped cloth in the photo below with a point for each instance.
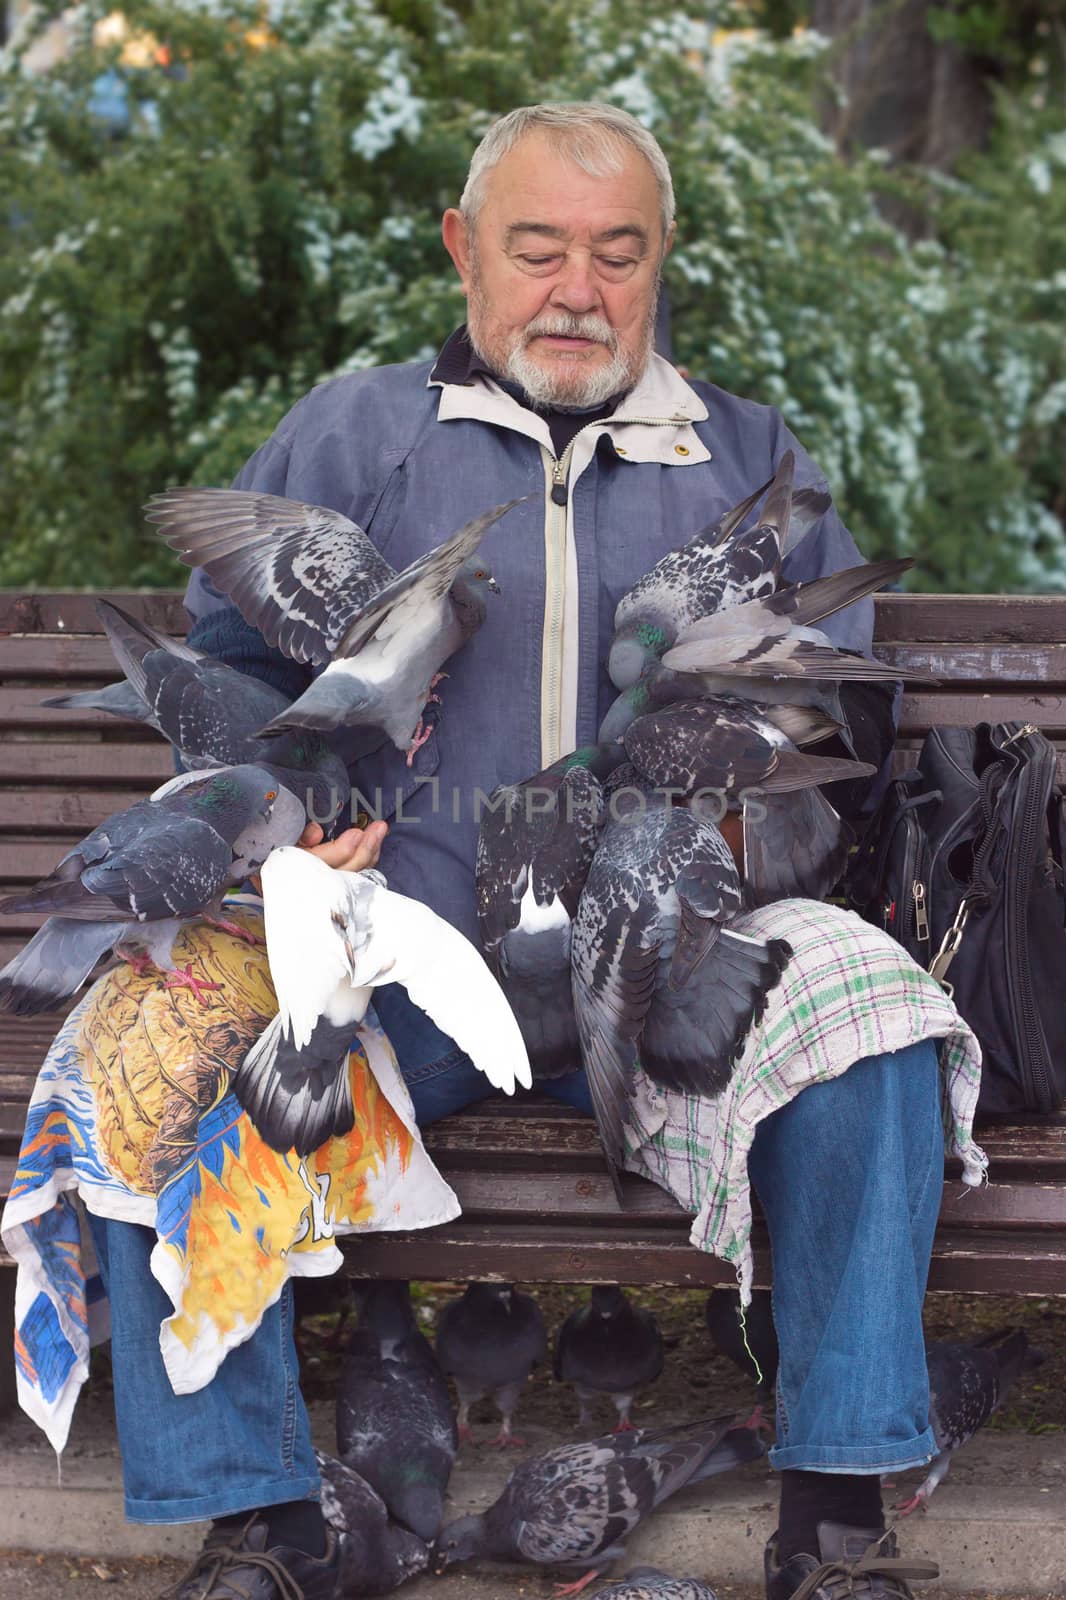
(849, 992)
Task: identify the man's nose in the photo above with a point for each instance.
(576, 289)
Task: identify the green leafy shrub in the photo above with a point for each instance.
(271, 217)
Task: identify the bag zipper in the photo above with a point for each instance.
(1028, 1029)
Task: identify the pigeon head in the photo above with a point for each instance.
(634, 646)
(420, 1507)
(461, 1540)
(385, 1311)
(630, 704)
(232, 798)
(607, 1300)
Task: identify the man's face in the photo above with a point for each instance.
(562, 274)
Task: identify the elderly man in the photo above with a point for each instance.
(552, 391)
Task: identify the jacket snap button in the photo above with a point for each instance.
(681, 450)
(362, 819)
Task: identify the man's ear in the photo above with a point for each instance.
(457, 243)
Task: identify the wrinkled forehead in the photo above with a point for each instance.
(543, 187)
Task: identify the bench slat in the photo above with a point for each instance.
(110, 762)
(47, 810)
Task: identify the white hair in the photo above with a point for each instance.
(587, 132)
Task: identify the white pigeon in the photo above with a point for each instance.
(332, 938)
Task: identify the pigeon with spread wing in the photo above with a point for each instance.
(313, 584)
(332, 937)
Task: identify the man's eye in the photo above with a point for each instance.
(616, 263)
(538, 261)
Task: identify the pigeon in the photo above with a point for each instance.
(489, 1340)
(967, 1383)
(332, 937)
(377, 1555)
(395, 1422)
(535, 848)
(718, 567)
(751, 1346)
(575, 1506)
(609, 1346)
(314, 585)
(132, 882)
(659, 980)
(648, 1583)
(210, 713)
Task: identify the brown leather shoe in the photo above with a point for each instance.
(235, 1564)
(854, 1562)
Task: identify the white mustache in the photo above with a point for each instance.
(568, 326)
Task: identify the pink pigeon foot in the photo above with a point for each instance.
(183, 978)
(623, 1426)
(505, 1441)
(418, 739)
(907, 1507)
(235, 929)
(465, 1433)
(140, 963)
(438, 677)
(575, 1588)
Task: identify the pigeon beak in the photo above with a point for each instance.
(493, 585)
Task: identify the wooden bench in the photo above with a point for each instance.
(537, 1203)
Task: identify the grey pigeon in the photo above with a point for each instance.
(211, 713)
(395, 1423)
(377, 1554)
(314, 585)
(332, 938)
(648, 1583)
(609, 1346)
(659, 980)
(751, 1346)
(134, 879)
(489, 1340)
(967, 1383)
(535, 848)
(718, 567)
(574, 1507)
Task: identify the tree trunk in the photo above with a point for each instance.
(902, 91)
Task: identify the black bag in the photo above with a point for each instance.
(963, 865)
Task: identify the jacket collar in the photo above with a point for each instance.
(653, 422)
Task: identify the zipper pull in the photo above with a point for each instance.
(559, 484)
(921, 911)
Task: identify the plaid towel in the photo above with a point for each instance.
(849, 992)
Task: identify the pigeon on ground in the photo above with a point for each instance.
(648, 1583)
(659, 980)
(489, 1340)
(332, 937)
(535, 848)
(133, 880)
(314, 585)
(751, 1346)
(210, 712)
(609, 1346)
(377, 1555)
(967, 1383)
(574, 1507)
(395, 1422)
(719, 567)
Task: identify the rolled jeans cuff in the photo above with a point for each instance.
(208, 1507)
(916, 1452)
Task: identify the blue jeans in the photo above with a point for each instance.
(849, 1175)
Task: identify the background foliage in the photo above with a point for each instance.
(271, 217)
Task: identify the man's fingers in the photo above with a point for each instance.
(354, 849)
(312, 835)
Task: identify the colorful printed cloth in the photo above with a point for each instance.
(132, 1116)
(848, 992)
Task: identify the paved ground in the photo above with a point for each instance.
(25, 1577)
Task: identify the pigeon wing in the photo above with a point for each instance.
(301, 574)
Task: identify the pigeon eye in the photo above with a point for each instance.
(272, 794)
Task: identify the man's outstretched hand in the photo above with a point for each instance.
(350, 851)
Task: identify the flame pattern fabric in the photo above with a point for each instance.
(132, 1116)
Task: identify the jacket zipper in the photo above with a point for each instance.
(1028, 1028)
(556, 500)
